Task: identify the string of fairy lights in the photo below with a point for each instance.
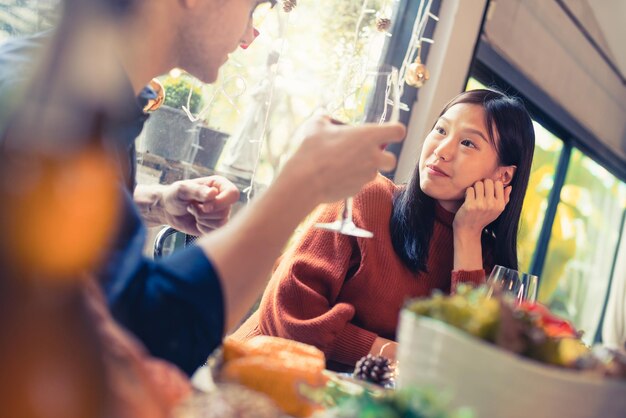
(413, 71)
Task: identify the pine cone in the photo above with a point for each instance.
(289, 5)
(374, 369)
(383, 24)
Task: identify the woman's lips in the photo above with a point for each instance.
(432, 170)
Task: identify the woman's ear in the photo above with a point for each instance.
(505, 174)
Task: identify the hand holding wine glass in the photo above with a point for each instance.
(368, 95)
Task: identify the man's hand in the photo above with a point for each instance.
(335, 161)
(194, 206)
(200, 205)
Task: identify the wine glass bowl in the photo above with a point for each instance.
(522, 286)
(366, 95)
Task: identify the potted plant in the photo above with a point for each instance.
(169, 132)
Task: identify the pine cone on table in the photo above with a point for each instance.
(374, 369)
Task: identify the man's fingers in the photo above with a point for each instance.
(199, 214)
(381, 134)
(388, 161)
(201, 208)
(196, 192)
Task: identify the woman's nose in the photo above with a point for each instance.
(445, 150)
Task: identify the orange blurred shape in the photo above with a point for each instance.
(278, 368)
(62, 214)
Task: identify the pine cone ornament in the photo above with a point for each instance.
(374, 369)
(383, 24)
(289, 5)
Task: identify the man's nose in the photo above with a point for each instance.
(248, 37)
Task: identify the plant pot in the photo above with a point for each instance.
(209, 147)
(170, 134)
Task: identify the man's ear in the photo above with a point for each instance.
(505, 174)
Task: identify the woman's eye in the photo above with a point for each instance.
(468, 143)
(440, 130)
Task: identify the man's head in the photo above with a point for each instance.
(195, 35)
(209, 31)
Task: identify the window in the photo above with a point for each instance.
(25, 17)
(548, 147)
(583, 243)
(263, 93)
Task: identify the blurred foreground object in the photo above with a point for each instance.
(60, 213)
(277, 367)
(50, 357)
(438, 348)
(228, 400)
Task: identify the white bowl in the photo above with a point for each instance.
(494, 382)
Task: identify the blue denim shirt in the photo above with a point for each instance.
(174, 305)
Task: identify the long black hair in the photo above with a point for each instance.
(413, 215)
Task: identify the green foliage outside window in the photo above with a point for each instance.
(583, 243)
(177, 91)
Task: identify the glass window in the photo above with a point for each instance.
(548, 147)
(583, 243)
(262, 95)
(25, 17)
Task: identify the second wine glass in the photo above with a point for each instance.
(522, 286)
(368, 95)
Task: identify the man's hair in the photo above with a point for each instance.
(115, 7)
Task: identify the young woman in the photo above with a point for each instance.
(456, 218)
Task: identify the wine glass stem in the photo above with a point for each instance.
(346, 216)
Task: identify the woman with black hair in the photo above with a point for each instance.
(455, 219)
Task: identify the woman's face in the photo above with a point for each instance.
(456, 154)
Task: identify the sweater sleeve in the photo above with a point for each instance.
(300, 300)
(473, 277)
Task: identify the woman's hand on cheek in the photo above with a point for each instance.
(484, 202)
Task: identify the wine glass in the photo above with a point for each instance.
(522, 286)
(369, 95)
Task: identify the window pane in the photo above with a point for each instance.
(583, 243)
(547, 150)
(548, 147)
(25, 17)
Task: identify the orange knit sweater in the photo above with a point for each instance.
(339, 292)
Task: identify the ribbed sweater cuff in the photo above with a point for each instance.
(351, 344)
(473, 277)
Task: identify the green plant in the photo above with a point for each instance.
(177, 92)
